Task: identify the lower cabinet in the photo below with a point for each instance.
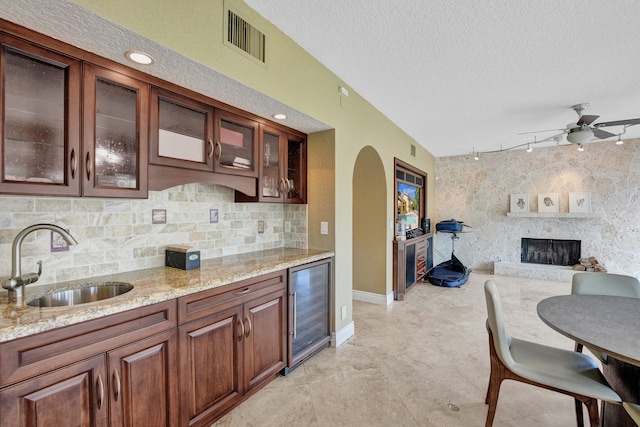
(114, 371)
(67, 397)
(183, 362)
(232, 342)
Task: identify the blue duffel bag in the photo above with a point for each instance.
(450, 274)
(449, 226)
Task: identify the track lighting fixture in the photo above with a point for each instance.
(529, 149)
(580, 147)
(619, 141)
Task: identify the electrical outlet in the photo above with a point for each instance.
(287, 226)
(324, 227)
(344, 312)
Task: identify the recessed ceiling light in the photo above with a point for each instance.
(279, 116)
(139, 57)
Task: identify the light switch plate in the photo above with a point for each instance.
(324, 227)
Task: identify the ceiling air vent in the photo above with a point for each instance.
(245, 37)
(413, 150)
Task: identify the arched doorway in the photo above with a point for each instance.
(369, 224)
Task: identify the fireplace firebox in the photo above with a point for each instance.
(550, 251)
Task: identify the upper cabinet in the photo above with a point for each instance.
(181, 131)
(283, 167)
(236, 146)
(115, 131)
(40, 126)
(75, 124)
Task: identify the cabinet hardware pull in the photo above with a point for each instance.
(241, 324)
(212, 149)
(248, 332)
(100, 391)
(295, 315)
(88, 165)
(116, 382)
(74, 163)
(246, 291)
(217, 151)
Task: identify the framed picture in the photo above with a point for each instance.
(579, 202)
(519, 203)
(548, 202)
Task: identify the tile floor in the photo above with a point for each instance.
(420, 362)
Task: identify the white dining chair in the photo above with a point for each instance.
(556, 369)
(633, 410)
(618, 285)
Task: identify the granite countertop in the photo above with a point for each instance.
(151, 286)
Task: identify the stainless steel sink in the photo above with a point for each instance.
(91, 293)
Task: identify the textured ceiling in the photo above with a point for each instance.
(465, 75)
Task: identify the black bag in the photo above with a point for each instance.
(450, 274)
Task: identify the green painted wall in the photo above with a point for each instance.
(195, 29)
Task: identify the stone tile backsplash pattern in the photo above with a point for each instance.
(117, 235)
(477, 192)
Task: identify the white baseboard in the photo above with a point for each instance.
(372, 298)
(342, 335)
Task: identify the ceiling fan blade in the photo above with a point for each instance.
(628, 122)
(586, 119)
(538, 131)
(602, 134)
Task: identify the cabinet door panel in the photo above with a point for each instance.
(143, 383)
(265, 338)
(181, 132)
(116, 124)
(236, 145)
(296, 173)
(210, 354)
(41, 123)
(74, 396)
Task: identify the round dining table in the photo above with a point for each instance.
(609, 325)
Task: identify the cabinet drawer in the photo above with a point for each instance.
(201, 304)
(29, 356)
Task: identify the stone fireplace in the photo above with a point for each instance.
(550, 251)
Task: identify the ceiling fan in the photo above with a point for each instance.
(583, 131)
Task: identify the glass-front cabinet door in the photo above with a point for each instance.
(115, 134)
(181, 132)
(272, 184)
(236, 145)
(41, 121)
(296, 173)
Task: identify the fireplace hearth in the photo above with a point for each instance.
(550, 251)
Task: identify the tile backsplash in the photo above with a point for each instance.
(117, 235)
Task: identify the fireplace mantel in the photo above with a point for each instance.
(550, 215)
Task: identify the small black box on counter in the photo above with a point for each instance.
(182, 257)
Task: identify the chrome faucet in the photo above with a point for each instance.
(16, 283)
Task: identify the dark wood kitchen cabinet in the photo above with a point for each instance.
(181, 131)
(232, 342)
(115, 134)
(283, 168)
(120, 370)
(236, 144)
(40, 128)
